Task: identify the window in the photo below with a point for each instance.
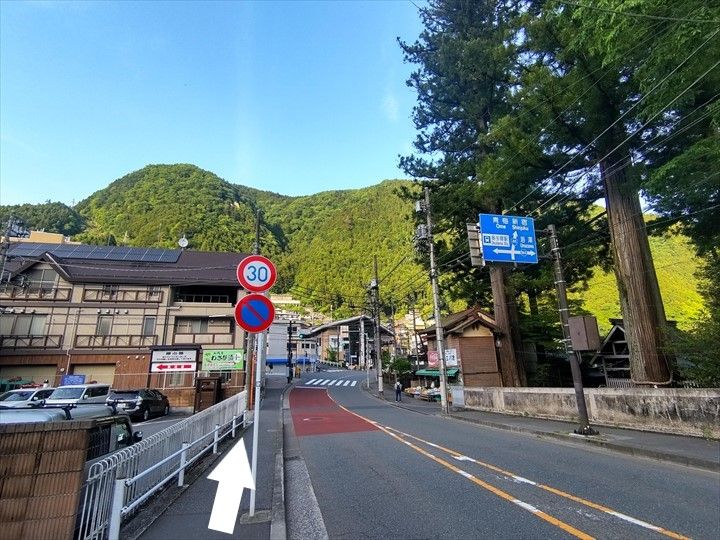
(191, 326)
(40, 278)
(104, 325)
(110, 290)
(148, 327)
(176, 379)
(6, 324)
(25, 325)
(153, 291)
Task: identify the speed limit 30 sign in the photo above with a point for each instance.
(256, 273)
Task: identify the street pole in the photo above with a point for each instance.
(415, 336)
(363, 354)
(256, 416)
(584, 428)
(251, 337)
(436, 300)
(376, 314)
(289, 353)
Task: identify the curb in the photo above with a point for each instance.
(678, 459)
(278, 528)
(579, 439)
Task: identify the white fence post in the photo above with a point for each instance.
(183, 460)
(233, 425)
(217, 434)
(116, 509)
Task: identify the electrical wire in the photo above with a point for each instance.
(639, 15)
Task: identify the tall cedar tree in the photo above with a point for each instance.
(465, 84)
(623, 104)
(462, 83)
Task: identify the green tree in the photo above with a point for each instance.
(590, 103)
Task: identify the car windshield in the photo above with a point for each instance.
(67, 393)
(123, 394)
(16, 396)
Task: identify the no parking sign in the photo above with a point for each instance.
(254, 313)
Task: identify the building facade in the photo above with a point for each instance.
(118, 315)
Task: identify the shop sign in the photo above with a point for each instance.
(223, 360)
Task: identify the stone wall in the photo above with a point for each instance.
(686, 411)
(41, 475)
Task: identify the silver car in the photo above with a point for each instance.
(24, 397)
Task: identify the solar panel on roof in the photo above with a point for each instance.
(108, 253)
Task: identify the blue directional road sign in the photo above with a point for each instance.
(508, 239)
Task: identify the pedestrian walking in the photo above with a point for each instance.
(398, 391)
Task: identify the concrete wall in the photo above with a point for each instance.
(41, 475)
(686, 411)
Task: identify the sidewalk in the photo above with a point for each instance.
(691, 451)
(188, 516)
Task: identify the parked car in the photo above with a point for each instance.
(24, 397)
(79, 393)
(142, 403)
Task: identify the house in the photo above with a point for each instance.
(470, 349)
(130, 317)
(341, 339)
(304, 350)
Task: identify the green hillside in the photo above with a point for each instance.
(675, 264)
(323, 244)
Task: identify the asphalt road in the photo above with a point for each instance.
(379, 471)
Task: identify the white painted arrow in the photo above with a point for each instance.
(233, 474)
(514, 251)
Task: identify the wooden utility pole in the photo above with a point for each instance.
(375, 286)
(574, 359)
(439, 334)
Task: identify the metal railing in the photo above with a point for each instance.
(28, 342)
(123, 295)
(145, 467)
(59, 294)
(89, 341)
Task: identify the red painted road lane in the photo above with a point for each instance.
(314, 413)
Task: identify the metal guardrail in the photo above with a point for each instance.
(145, 467)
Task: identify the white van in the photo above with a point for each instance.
(79, 393)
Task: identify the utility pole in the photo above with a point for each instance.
(585, 428)
(392, 326)
(439, 337)
(415, 336)
(363, 354)
(376, 313)
(289, 352)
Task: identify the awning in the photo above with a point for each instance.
(436, 372)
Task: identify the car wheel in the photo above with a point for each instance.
(166, 411)
(146, 414)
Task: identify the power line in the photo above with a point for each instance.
(657, 85)
(639, 15)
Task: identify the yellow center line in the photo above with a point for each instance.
(550, 489)
(500, 493)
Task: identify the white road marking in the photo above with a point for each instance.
(353, 383)
(526, 506)
(312, 381)
(346, 382)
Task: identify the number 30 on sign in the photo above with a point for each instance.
(256, 273)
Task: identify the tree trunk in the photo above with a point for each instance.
(640, 300)
(533, 302)
(503, 319)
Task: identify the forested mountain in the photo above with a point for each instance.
(323, 244)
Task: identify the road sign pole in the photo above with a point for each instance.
(256, 417)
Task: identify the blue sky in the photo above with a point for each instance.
(290, 97)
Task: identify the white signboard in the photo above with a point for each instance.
(169, 367)
(451, 359)
(174, 357)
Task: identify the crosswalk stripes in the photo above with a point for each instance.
(331, 382)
